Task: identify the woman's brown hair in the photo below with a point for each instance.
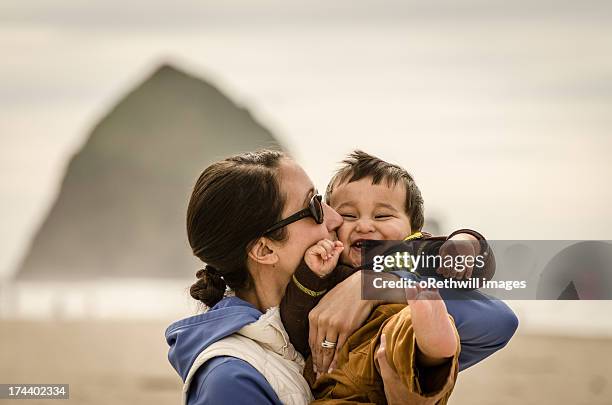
(233, 202)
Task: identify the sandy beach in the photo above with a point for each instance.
(121, 362)
(110, 110)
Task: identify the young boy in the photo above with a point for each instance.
(379, 201)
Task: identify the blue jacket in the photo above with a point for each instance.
(484, 326)
(221, 380)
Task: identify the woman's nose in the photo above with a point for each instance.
(333, 220)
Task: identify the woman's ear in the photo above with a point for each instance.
(263, 252)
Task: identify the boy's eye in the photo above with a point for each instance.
(348, 216)
(383, 216)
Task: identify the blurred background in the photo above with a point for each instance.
(109, 111)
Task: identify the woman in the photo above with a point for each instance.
(238, 351)
(233, 203)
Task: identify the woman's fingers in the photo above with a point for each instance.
(339, 313)
(330, 355)
(317, 357)
(327, 354)
(327, 331)
(395, 391)
(389, 376)
(313, 332)
(321, 356)
(334, 362)
(381, 356)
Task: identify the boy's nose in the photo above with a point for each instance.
(332, 220)
(364, 225)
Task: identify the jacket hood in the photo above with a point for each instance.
(189, 336)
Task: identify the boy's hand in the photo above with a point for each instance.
(462, 244)
(322, 258)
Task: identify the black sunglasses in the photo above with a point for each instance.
(315, 210)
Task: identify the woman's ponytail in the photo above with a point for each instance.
(210, 286)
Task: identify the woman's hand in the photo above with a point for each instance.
(339, 313)
(395, 391)
(323, 257)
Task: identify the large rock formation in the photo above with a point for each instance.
(121, 208)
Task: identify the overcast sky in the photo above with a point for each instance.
(502, 110)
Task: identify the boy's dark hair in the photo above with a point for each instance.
(359, 165)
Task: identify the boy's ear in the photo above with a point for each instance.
(262, 252)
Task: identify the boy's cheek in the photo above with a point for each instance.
(343, 232)
(396, 230)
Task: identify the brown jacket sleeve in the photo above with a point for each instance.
(297, 304)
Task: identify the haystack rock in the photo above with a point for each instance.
(121, 209)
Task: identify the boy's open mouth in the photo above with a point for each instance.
(358, 244)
